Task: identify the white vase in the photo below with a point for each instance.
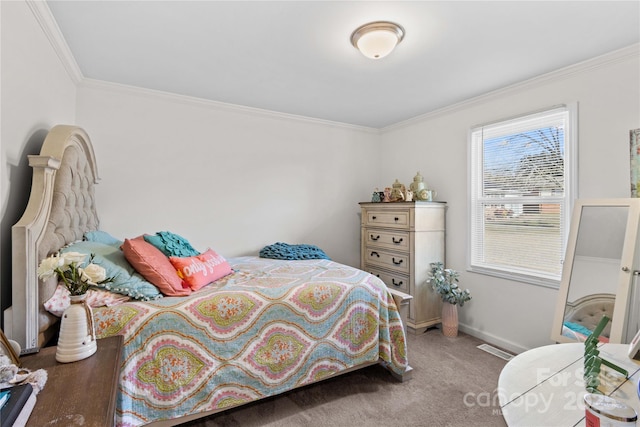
(77, 338)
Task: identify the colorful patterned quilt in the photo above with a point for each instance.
(269, 327)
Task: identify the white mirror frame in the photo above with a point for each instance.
(623, 310)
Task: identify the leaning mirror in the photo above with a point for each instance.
(598, 272)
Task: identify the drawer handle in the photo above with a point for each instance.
(393, 281)
(375, 253)
(374, 238)
(396, 219)
(396, 262)
(374, 217)
(393, 239)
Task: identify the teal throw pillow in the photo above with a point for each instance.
(99, 236)
(171, 244)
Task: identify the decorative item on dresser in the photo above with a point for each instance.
(398, 242)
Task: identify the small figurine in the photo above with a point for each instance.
(397, 193)
(375, 197)
(387, 194)
(408, 195)
(418, 187)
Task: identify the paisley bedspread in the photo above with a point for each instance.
(269, 327)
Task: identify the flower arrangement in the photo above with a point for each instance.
(71, 269)
(445, 282)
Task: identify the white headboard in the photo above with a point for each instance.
(60, 210)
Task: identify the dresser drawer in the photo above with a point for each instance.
(390, 260)
(392, 280)
(397, 240)
(387, 218)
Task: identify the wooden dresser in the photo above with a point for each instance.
(398, 242)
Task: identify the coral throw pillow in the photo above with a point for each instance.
(154, 266)
(200, 270)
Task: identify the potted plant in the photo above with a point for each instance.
(445, 282)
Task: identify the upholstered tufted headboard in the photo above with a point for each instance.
(588, 311)
(60, 210)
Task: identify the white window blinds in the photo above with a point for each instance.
(521, 188)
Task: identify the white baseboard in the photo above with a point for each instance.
(493, 340)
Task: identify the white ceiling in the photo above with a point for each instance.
(295, 56)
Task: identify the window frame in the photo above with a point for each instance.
(476, 171)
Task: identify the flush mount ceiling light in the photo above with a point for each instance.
(377, 39)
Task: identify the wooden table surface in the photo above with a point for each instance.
(77, 393)
(545, 386)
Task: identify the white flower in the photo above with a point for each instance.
(47, 267)
(93, 274)
(68, 268)
(71, 257)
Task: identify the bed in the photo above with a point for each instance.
(268, 327)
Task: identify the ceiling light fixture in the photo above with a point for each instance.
(377, 39)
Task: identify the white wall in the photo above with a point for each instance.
(515, 315)
(37, 93)
(228, 178)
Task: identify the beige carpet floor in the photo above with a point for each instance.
(454, 384)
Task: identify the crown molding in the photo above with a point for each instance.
(620, 55)
(215, 105)
(49, 26)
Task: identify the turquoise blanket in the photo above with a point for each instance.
(292, 252)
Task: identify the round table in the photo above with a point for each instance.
(545, 386)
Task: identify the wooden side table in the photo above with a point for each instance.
(77, 393)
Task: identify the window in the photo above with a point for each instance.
(522, 179)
